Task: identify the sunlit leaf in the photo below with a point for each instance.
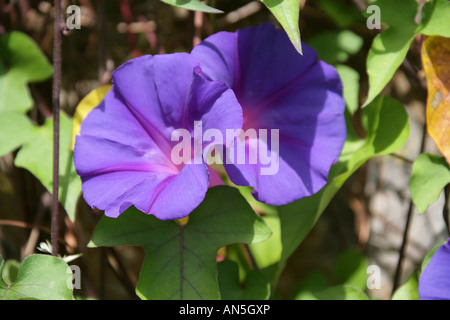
(430, 174)
(409, 290)
(87, 104)
(287, 14)
(435, 58)
(435, 18)
(15, 129)
(42, 277)
(180, 261)
(430, 255)
(268, 252)
(10, 270)
(194, 5)
(21, 62)
(350, 82)
(36, 156)
(390, 47)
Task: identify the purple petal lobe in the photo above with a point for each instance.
(124, 152)
(434, 282)
(218, 56)
(181, 193)
(279, 89)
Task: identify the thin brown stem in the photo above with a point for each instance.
(56, 109)
(445, 211)
(250, 257)
(402, 250)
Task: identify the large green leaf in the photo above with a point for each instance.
(268, 252)
(255, 286)
(21, 62)
(387, 129)
(36, 157)
(180, 261)
(195, 5)
(9, 271)
(390, 47)
(287, 14)
(42, 277)
(15, 129)
(430, 255)
(409, 290)
(430, 174)
(435, 19)
(350, 82)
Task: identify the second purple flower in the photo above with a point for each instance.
(296, 99)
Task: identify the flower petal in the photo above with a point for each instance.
(108, 117)
(123, 153)
(114, 192)
(218, 56)
(434, 283)
(181, 194)
(280, 89)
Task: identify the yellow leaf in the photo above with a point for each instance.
(435, 59)
(85, 106)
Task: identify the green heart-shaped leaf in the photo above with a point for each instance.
(42, 277)
(430, 174)
(36, 156)
(180, 261)
(21, 62)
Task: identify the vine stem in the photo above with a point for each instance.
(409, 215)
(56, 111)
(445, 211)
(249, 255)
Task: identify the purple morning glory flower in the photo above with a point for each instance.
(296, 99)
(434, 282)
(124, 152)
